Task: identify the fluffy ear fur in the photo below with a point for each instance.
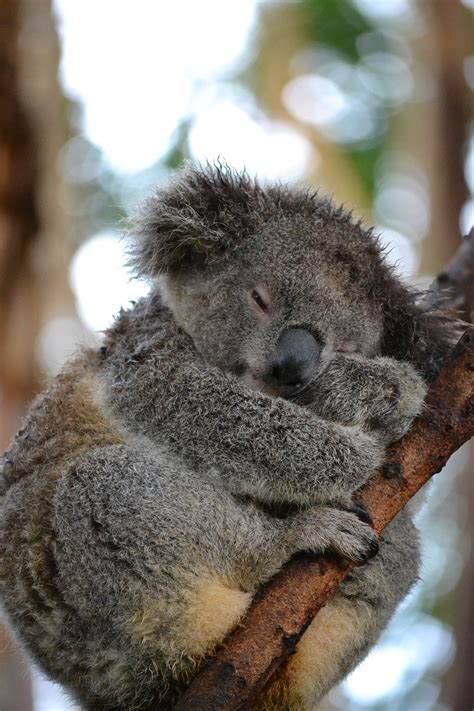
(198, 216)
(417, 330)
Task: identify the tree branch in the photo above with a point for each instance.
(456, 282)
(279, 615)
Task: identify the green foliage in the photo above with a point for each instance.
(336, 24)
(366, 161)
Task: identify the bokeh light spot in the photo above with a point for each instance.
(100, 281)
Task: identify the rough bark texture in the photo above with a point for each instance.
(284, 608)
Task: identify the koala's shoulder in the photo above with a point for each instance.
(62, 421)
(148, 326)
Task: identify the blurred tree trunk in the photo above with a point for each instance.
(33, 258)
(19, 222)
(452, 29)
(452, 35)
(18, 228)
(445, 47)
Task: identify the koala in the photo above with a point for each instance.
(226, 423)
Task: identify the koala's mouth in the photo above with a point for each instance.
(255, 383)
(273, 390)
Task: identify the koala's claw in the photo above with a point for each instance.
(402, 404)
(373, 549)
(356, 507)
(357, 545)
(361, 511)
(343, 532)
(395, 397)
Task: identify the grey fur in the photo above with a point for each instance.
(164, 461)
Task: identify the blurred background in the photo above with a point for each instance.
(102, 99)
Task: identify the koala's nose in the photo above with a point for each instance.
(295, 359)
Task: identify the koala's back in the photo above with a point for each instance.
(66, 419)
(62, 422)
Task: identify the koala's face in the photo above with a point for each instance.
(278, 306)
(269, 282)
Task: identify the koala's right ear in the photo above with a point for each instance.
(200, 215)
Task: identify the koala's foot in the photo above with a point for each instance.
(322, 529)
(382, 395)
(334, 643)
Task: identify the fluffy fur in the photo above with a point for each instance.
(160, 480)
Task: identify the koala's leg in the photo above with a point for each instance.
(119, 572)
(349, 625)
(148, 562)
(333, 644)
(128, 569)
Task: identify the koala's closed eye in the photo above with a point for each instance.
(348, 347)
(259, 300)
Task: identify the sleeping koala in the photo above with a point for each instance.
(227, 423)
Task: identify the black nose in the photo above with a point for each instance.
(295, 359)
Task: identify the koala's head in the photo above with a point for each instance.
(270, 282)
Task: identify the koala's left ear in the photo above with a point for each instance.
(201, 214)
(417, 329)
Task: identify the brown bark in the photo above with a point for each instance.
(33, 231)
(18, 227)
(285, 607)
(18, 162)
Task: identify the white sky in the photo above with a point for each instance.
(134, 66)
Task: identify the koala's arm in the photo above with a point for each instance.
(264, 447)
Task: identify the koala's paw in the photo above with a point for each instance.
(397, 401)
(346, 533)
(380, 395)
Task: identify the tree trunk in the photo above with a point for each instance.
(33, 229)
